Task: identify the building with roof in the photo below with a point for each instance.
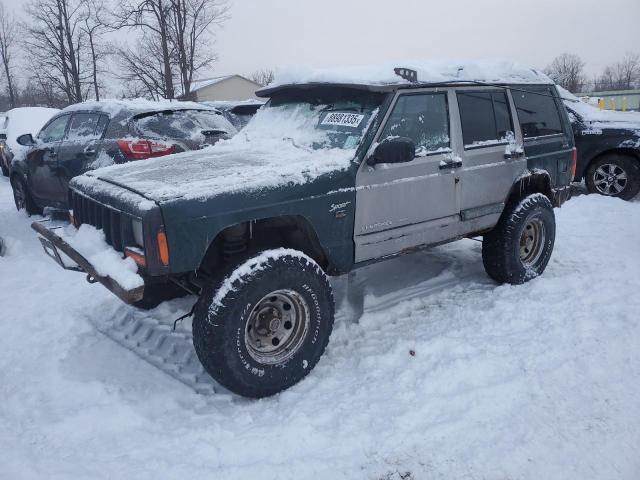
(228, 87)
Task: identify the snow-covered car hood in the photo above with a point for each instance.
(223, 168)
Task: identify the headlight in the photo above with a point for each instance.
(136, 226)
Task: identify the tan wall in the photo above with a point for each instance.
(234, 88)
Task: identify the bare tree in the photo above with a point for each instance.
(142, 68)
(191, 23)
(263, 77)
(153, 18)
(57, 45)
(94, 25)
(627, 72)
(567, 70)
(8, 45)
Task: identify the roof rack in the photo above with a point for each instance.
(407, 74)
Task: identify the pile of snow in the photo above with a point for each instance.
(24, 120)
(114, 106)
(90, 243)
(600, 118)
(275, 148)
(492, 71)
(531, 382)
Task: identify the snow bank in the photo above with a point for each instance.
(531, 382)
(90, 243)
(493, 71)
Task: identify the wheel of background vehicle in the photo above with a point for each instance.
(520, 246)
(614, 175)
(267, 325)
(154, 295)
(22, 197)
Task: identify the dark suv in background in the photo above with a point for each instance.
(608, 146)
(91, 135)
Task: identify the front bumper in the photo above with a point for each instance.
(53, 245)
(561, 195)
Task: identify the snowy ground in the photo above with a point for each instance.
(536, 382)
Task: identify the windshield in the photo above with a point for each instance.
(181, 124)
(316, 119)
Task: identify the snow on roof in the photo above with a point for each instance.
(205, 82)
(597, 117)
(492, 71)
(114, 106)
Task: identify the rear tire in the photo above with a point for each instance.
(520, 245)
(267, 325)
(23, 198)
(614, 175)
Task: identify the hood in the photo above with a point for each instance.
(226, 167)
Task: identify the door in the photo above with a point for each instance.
(42, 162)
(492, 156)
(404, 205)
(81, 149)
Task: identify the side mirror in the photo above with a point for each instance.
(393, 150)
(26, 140)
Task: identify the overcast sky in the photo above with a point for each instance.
(269, 33)
(272, 33)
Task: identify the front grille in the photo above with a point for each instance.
(116, 225)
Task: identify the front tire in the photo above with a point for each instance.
(23, 198)
(520, 245)
(267, 325)
(3, 167)
(614, 175)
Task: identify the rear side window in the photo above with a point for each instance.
(424, 118)
(83, 126)
(485, 118)
(180, 124)
(537, 112)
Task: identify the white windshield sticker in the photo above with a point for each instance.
(343, 119)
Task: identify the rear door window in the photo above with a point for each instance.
(424, 118)
(84, 126)
(485, 118)
(537, 112)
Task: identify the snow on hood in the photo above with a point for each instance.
(114, 106)
(272, 150)
(600, 118)
(494, 71)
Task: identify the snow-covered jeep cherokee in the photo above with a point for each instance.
(338, 170)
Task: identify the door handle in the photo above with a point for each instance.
(53, 153)
(89, 151)
(450, 165)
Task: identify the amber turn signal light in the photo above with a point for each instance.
(163, 247)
